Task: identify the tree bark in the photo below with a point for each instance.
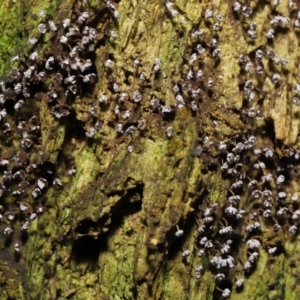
(110, 232)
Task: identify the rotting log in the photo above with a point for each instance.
(110, 232)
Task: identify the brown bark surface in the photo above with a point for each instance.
(139, 159)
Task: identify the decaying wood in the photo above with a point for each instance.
(110, 232)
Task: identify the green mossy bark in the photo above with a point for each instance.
(110, 233)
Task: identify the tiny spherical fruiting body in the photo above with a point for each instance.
(42, 28)
(216, 53)
(253, 243)
(115, 87)
(40, 209)
(136, 63)
(23, 207)
(90, 133)
(52, 25)
(201, 229)
(102, 99)
(108, 63)
(130, 130)
(247, 266)
(119, 128)
(114, 34)
(216, 27)
(194, 106)
(33, 56)
(237, 184)
(277, 227)
(25, 226)
(193, 58)
(169, 131)
(259, 54)
(226, 293)
(179, 101)
(36, 192)
(83, 18)
(190, 74)
(143, 76)
(32, 216)
(198, 151)
(281, 196)
(179, 232)
(57, 183)
(66, 23)
(9, 216)
(220, 277)
(225, 249)
(166, 109)
(116, 14)
(17, 246)
(234, 200)
(157, 65)
(240, 282)
(272, 250)
(18, 105)
(210, 83)
(256, 194)
(280, 179)
(252, 184)
(253, 257)
(208, 14)
(208, 220)
(32, 41)
(186, 253)
(18, 88)
(293, 229)
(63, 40)
(126, 114)
(15, 59)
(136, 96)
(226, 230)
(198, 270)
(203, 240)
(264, 179)
(8, 231)
(200, 50)
(237, 6)
(41, 183)
(3, 113)
(208, 245)
(267, 213)
(130, 148)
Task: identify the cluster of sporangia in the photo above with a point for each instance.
(260, 198)
(55, 79)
